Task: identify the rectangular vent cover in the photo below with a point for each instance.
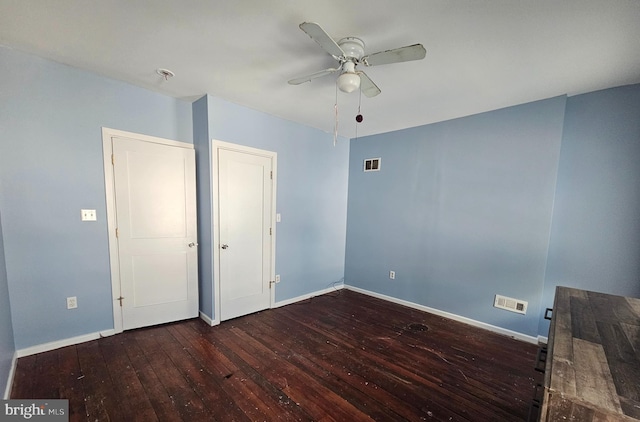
(372, 164)
(510, 304)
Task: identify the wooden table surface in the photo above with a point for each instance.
(593, 367)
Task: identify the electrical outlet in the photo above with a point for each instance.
(392, 275)
(88, 215)
(72, 302)
(277, 278)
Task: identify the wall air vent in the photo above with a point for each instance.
(372, 164)
(510, 304)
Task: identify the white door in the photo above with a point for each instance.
(245, 233)
(155, 201)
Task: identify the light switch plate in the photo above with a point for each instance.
(72, 302)
(88, 215)
(278, 218)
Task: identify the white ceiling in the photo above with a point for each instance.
(481, 54)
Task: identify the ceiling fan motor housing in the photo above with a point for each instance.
(353, 48)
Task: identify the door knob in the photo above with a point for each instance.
(225, 246)
(191, 245)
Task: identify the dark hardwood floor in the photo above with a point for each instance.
(342, 356)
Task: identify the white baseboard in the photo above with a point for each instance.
(45, 347)
(206, 318)
(308, 295)
(12, 372)
(94, 336)
(516, 335)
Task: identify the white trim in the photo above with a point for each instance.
(45, 347)
(213, 229)
(12, 372)
(206, 318)
(107, 152)
(543, 339)
(215, 223)
(514, 334)
(115, 133)
(309, 296)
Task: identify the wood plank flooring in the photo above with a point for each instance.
(341, 356)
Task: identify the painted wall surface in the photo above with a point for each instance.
(202, 143)
(7, 345)
(312, 184)
(460, 210)
(51, 166)
(595, 237)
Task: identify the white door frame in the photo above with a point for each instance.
(215, 146)
(109, 184)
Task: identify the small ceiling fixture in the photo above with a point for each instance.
(165, 73)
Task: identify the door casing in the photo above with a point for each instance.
(216, 145)
(107, 151)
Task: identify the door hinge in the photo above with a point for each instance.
(120, 299)
(271, 174)
(117, 232)
(270, 232)
(113, 160)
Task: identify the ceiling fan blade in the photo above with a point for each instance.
(322, 38)
(367, 86)
(402, 54)
(307, 78)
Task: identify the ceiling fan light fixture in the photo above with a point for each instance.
(349, 52)
(348, 82)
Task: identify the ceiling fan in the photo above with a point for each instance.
(349, 52)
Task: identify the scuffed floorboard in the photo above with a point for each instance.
(341, 356)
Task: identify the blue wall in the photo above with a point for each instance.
(460, 210)
(595, 236)
(50, 167)
(311, 193)
(202, 143)
(7, 345)
(514, 202)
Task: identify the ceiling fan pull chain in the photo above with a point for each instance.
(359, 116)
(335, 110)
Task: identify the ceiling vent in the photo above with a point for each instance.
(372, 164)
(510, 304)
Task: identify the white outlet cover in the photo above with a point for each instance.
(88, 215)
